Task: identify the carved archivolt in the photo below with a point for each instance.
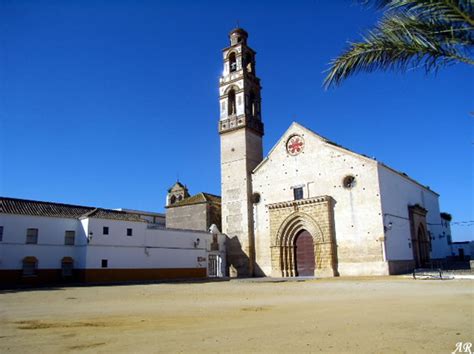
(293, 225)
(298, 216)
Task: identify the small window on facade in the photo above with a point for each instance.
(30, 266)
(67, 266)
(298, 193)
(105, 263)
(69, 238)
(105, 230)
(349, 182)
(32, 236)
(1, 233)
(129, 232)
(256, 198)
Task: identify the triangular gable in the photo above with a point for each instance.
(177, 186)
(336, 146)
(290, 130)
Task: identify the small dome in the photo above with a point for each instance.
(238, 35)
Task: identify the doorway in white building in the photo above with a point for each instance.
(215, 266)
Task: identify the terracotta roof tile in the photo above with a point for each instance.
(199, 198)
(59, 210)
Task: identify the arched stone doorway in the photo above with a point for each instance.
(290, 227)
(422, 248)
(304, 254)
(420, 238)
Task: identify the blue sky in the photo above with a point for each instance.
(105, 103)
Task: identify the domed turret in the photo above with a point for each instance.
(237, 36)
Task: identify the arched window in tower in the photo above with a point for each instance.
(249, 63)
(231, 103)
(232, 62)
(253, 104)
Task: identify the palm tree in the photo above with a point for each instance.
(411, 33)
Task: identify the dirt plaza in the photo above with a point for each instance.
(362, 315)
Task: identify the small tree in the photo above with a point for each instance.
(411, 33)
(446, 216)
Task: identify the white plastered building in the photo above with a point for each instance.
(43, 242)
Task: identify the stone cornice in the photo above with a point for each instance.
(418, 209)
(242, 121)
(244, 76)
(243, 48)
(292, 203)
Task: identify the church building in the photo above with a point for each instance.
(311, 206)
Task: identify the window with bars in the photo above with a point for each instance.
(32, 236)
(298, 193)
(67, 266)
(30, 266)
(69, 238)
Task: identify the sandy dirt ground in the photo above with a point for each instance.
(363, 315)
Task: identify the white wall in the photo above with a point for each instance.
(398, 193)
(146, 248)
(444, 238)
(455, 247)
(50, 248)
(320, 170)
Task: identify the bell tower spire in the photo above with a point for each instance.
(239, 87)
(241, 131)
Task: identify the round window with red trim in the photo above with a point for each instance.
(295, 145)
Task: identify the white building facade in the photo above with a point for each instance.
(369, 211)
(45, 242)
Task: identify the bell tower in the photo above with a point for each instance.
(241, 131)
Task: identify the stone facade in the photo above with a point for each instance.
(176, 193)
(241, 132)
(198, 212)
(288, 219)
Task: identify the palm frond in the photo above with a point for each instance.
(412, 33)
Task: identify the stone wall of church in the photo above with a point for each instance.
(241, 151)
(189, 217)
(320, 170)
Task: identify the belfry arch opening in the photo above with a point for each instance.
(232, 62)
(231, 109)
(248, 63)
